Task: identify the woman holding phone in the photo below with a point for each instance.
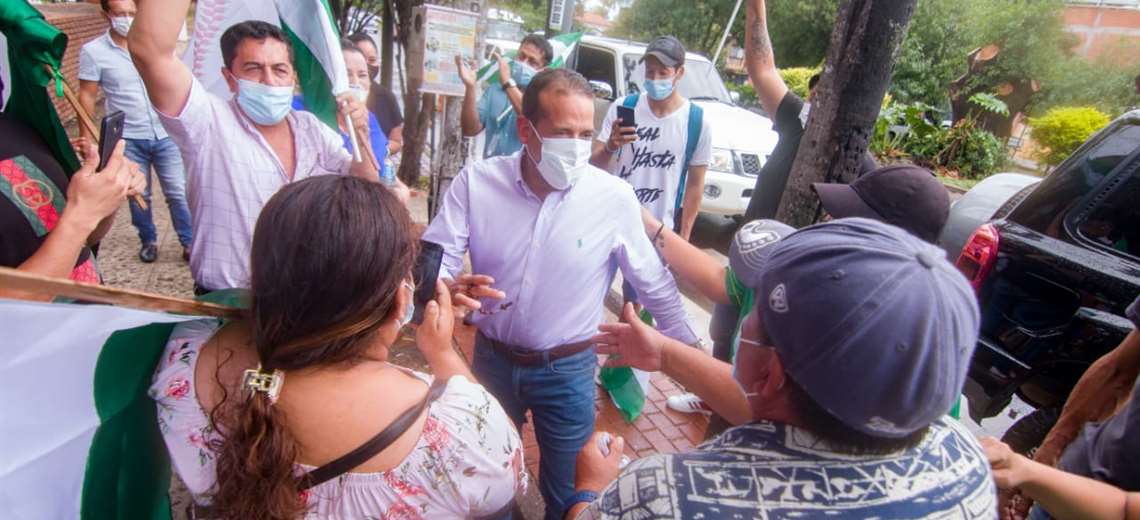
(296, 411)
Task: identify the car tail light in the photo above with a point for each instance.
(979, 255)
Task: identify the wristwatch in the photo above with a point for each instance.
(510, 83)
(581, 496)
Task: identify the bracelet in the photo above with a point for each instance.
(607, 147)
(658, 233)
(586, 496)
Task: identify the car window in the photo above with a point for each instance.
(596, 65)
(700, 81)
(1052, 200)
(1112, 221)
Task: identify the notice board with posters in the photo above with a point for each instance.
(447, 33)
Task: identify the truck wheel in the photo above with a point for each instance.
(1028, 432)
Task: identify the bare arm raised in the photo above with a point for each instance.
(759, 59)
(152, 41)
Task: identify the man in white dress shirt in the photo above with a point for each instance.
(550, 229)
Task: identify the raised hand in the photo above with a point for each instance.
(631, 343)
(469, 288)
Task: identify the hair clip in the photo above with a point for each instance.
(267, 383)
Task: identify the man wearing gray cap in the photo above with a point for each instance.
(857, 347)
(664, 155)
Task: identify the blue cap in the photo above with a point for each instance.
(873, 323)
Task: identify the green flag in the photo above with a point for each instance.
(33, 43)
(563, 45)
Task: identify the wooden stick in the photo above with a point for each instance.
(88, 123)
(47, 286)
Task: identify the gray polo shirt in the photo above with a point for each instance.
(110, 66)
(1110, 451)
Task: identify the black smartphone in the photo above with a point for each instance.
(625, 115)
(110, 131)
(424, 274)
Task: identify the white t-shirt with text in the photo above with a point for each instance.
(653, 163)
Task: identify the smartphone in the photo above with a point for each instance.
(110, 131)
(625, 114)
(424, 274)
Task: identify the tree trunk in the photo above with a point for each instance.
(861, 56)
(387, 42)
(415, 126)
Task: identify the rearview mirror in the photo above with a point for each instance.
(602, 90)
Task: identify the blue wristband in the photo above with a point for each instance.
(581, 496)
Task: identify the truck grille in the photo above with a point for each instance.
(751, 163)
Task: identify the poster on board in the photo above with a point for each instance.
(447, 33)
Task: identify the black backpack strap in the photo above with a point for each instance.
(374, 445)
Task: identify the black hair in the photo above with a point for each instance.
(361, 37)
(347, 45)
(839, 435)
(250, 30)
(542, 45)
(813, 80)
(105, 4)
(557, 79)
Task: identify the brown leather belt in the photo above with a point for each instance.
(530, 358)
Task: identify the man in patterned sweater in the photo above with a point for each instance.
(857, 347)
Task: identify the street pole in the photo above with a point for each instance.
(727, 29)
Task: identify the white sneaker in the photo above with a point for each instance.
(687, 403)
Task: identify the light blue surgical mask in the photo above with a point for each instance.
(264, 104)
(658, 89)
(522, 73)
(410, 308)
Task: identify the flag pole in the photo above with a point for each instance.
(87, 122)
(727, 29)
(50, 287)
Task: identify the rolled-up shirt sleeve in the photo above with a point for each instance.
(641, 266)
(333, 157)
(450, 228)
(190, 127)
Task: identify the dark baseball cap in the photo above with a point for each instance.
(907, 196)
(667, 49)
(874, 324)
(748, 251)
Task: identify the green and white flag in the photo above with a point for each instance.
(79, 436)
(309, 25)
(563, 45)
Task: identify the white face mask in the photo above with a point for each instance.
(563, 159)
(360, 93)
(121, 24)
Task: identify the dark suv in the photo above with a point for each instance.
(1054, 272)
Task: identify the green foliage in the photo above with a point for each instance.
(797, 79)
(933, 53)
(908, 132)
(697, 23)
(800, 30)
(1062, 129)
(990, 103)
(970, 151)
(1104, 84)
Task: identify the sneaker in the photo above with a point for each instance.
(687, 403)
(148, 253)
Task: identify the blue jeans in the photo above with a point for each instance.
(164, 156)
(560, 397)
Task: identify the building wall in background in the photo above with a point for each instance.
(1111, 31)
